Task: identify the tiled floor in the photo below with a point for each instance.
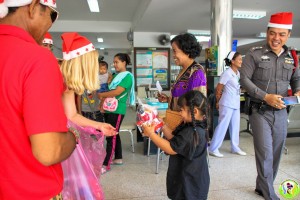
(232, 177)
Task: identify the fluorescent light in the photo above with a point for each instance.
(261, 35)
(202, 38)
(243, 14)
(94, 6)
(102, 48)
(199, 32)
(100, 39)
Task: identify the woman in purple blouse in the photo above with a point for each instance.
(192, 75)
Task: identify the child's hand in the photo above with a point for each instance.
(107, 129)
(148, 129)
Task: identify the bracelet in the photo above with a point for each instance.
(75, 132)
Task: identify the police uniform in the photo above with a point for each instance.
(263, 72)
(229, 112)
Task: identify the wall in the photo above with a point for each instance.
(109, 56)
(148, 39)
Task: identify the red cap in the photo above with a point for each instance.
(281, 20)
(75, 45)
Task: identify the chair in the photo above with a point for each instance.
(293, 120)
(159, 153)
(248, 129)
(130, 131)
(129, 126)
(142, 92)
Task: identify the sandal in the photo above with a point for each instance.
(117, 162)
(104, 170)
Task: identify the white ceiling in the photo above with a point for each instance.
(117, 17)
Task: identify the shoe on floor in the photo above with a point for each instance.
(216, 154)
(104, 169)
(117, 162)
(258, 192)
(241, 153)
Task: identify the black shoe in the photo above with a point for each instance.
(258, 192)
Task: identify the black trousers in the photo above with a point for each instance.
(113, 143)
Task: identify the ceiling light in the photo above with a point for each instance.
(202, 38)
(261, 35)
(100, 39)
(199, 32)
(102, 48)
(94, 6)
(243, 14)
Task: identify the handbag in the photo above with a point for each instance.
(111, 103)
(172, 119)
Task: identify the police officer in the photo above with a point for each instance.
(266, 74)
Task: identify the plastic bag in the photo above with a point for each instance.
(148, 115)
(82, 169)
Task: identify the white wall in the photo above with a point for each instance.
(148, 39)
(109, 56)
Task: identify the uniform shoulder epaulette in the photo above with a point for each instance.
(256, 48)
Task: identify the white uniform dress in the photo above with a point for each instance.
(229, 112)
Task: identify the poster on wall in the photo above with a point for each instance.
(211, 60)
(151, 65)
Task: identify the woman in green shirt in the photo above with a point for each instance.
(121, 87)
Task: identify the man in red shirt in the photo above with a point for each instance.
(34, 138)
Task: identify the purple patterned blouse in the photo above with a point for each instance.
(193, 78)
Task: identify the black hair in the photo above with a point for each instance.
(290, 30)
(188, 44)
(124, 57)
(194, 99)
(103, 63)
(228, 62)
(100, 58)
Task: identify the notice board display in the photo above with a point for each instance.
(151, 65)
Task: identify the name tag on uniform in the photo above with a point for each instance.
(265, 58)
(289, 60)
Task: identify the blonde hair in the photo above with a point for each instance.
(81, 73)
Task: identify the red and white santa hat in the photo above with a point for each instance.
(5, 4)
(281, 20)
(47, 39)
(75, 45)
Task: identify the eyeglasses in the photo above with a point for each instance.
(54, 14)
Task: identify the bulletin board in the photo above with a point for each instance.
(151, 65)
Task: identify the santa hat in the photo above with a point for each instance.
(281, 20)
(5, 4)
(75, 45)
(230, 55)
(47, 39)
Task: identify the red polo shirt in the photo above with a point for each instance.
(31, 88)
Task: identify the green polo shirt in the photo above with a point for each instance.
(126, 83)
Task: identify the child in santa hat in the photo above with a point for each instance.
(80, 73)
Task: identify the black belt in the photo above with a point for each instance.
(264, 106)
